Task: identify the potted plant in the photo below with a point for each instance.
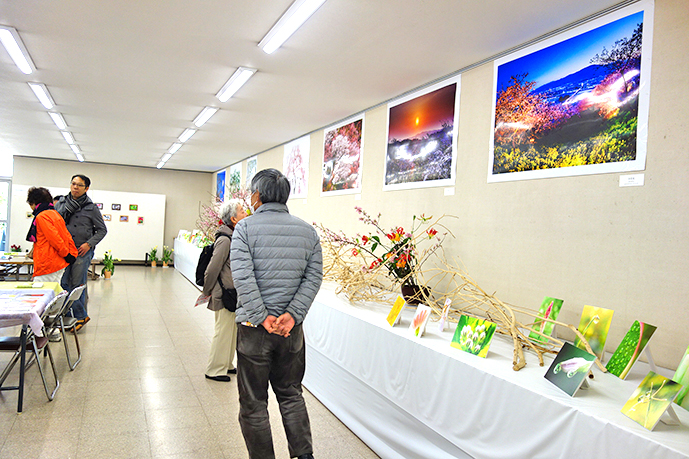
(153, 256)
(108, 265)
(167, 256)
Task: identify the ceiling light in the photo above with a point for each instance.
(174, 147)
(80, 157)
(75, 148)
(293, 18)
(160, 164)
(16, 49)
(204, 116)
(236, 81)
(165, 157)
(58, 120)
(68, 137)
(186, 135)
(43, 95)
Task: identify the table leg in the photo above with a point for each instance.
(22, 366)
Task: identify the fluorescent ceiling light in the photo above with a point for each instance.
(204, 116)
(293, 18)
(174, 147)
(43, 95)
(236, 81)
(75, 148)
(16, 49)
(186, 135)
(80, 157)
(165, 157)
(68, 137)
(58, 120)
(160, 164)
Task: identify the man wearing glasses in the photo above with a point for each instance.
(85, 224)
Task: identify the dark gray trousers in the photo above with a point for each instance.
(263, 357)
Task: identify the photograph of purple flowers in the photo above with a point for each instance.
(295, 166)
(570, 368)
(422, 131)
(342, 157)
(577, 103)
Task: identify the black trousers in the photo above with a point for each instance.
(263, 357)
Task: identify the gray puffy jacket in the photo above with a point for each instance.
(277, 265)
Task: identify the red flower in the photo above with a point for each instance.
(355, 252)
(364, 239)
(431, 232)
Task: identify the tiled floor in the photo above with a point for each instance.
(140, 389)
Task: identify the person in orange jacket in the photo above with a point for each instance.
(54, 247)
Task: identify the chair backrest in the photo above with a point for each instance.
(73, 296)
(55, 305)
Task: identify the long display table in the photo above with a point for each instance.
(421, 398)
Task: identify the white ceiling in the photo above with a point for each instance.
(130, 76)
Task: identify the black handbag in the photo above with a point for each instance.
(229, 297)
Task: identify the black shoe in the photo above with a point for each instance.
(221, 378)
(306, 456)
(232, 371)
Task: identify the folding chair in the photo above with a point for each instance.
(65, 323)
(34, 344)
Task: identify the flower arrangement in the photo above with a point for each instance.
(209, 220)
(108, 263)
(396, 250)
(153, 254)
(16, 248)
(167, 254)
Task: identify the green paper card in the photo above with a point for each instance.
(550, 309)
(594, 325)
(629, 350)
(473, 335)
(682, 377)
(651, 399)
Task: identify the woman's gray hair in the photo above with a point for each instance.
(271, 185)
(229, 209)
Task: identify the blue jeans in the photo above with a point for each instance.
(75, 275)
(264, 357)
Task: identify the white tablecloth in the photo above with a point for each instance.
(24, 306)
(421, 398)
(186, 258)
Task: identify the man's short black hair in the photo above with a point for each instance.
(271, 185)
(87, 181)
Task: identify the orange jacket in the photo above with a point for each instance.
(53, 243)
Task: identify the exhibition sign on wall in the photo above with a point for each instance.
(576, 103)
(342, 158)
(422, 136)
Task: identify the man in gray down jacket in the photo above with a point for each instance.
(85, 224)
(277, 266)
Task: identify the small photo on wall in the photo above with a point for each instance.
(133, 207)
(116, 207)
(107, 217)
(124, 218)
(99, 205)
(141, 221)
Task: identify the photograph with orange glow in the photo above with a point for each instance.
(422, 127)
(575, 104)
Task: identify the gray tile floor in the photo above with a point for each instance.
(140, 389)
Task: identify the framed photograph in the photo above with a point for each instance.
(342, 158)
(421, 139)
(107, 217)
(116, 207)
(550, 309)
(235, 181)
(396, 311)
(220, 186)
(682, 377)
(651, 400)
(629, 350)
(594, 325)
(251, 169)
(140, 221)
(133, 207)
(99, 205)
(570, 368)
(577, 103)
(418, 324)
(124, 218)
(473, 335)
(295, 166)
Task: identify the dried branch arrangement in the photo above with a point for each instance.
(361, 282)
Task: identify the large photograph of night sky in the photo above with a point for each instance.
(577, 103)
(422, 128)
